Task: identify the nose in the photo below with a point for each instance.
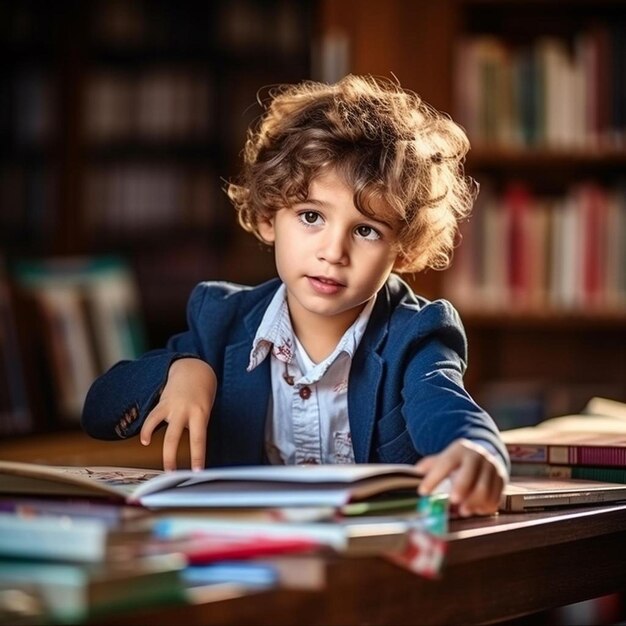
(333, 247)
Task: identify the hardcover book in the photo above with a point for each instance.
(595, 438)
(538, 493)
(70, 593)
(267, 486)
(567, 448)
(585, 472)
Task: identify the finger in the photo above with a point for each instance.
(424, 464)
(197, 443)
(477, 502)
(495, 495)
(172, 438)
(154, 418)
(441, 467)
(465, 480)
(485, 495)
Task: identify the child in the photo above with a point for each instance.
(337, 360)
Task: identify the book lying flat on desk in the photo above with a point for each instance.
(300, 485)
(594, 438)
(543, 445)
(72, 592)
(532, 493)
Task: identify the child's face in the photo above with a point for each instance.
(331, 257)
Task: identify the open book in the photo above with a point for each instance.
(266, 486)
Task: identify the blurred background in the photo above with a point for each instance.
(121, 120)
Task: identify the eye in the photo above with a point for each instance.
(310, 218)
(367, 232)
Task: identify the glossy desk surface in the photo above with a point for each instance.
(496, 568)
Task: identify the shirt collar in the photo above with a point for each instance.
(275, 333)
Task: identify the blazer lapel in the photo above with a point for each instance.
(365, 376)
(244, 398)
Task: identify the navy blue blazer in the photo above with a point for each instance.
(406, 397)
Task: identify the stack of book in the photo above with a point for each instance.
(84, 542)
(590, 445)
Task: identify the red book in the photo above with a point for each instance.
(204, 547)
(517, 200)
(567, 448)
(593, 204)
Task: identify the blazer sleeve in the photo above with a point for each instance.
(437, 407)
(119, 401)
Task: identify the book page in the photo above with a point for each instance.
(31, 478)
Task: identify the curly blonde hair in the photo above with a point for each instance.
(385, 141)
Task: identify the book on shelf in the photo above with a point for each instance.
(561, 253)
(596, 437)
(550, 93)
(249, 486)
(90, 319)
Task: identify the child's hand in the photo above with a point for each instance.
(186, 402)
(476, 475)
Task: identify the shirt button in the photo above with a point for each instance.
(305, 393)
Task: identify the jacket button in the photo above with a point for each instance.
(305, 393)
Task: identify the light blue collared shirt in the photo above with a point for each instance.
(307, 420)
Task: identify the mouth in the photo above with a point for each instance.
(327, 281)
(324, 285)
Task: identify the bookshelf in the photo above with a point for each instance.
(539, 87)
(121, 119)
(120, 122)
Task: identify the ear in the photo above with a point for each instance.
(401, 264)
(265, 227)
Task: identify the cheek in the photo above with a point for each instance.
(380, 269)
(380, 260)
(285, 255)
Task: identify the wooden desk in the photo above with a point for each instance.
(497, 569)
(73, 447)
